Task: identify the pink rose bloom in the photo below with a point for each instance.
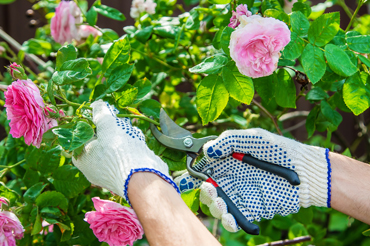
(113, 223)
(25, 110)
(10, 228)
(3, 200)
(150, 7)
(47, 227)
(137, 7)
(63, 24)
(86, 30)
(255, 46)
(241, 10)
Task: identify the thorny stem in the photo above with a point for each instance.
(360, 3)
(63, 98)
(269, 115)
(288, 242)
(142, 117)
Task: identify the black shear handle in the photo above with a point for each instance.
(283, 172)
(247, 226)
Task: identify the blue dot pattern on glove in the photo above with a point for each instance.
(257, 193)
(187, 182)
(126, 125)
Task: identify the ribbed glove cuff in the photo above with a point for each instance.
(315, 174)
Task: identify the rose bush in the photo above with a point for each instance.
(217, 65)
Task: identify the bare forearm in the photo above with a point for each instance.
(350, 192)
(165, 217)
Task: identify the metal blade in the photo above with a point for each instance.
(170, 128)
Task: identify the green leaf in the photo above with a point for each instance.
(297, 230)
(176, 160)
(339, 61)
(240, 87)
(324, 29)
(73, 135)
(265, 87)
(302, 7)
(277, 14)
(191, 198)
(52, 199)
(37, 226)
(285, 93)
(360, 43)
(313, 63)
(11, 195)
(347, 152)
(219, 1)
(295, 47)
(212, 97)
(32, 193)
(72, 71)
(6, 1)
(271, 4)
(44, 160)
(310, 121)
(117, 55)
(144, 34)
(364, 60)
(299, 23)
(316, 94)
(37, 47)
(225, 39)
(217, 39)
(356, 95)
(109, 12)
(119, 77)
(127, 96)
(366, 233)
(31, 177)
(282, 223)
(92, 16)
(210, 65)
(330, 114)
(150, 107)
(169, 31)
(144, 86)
(50, 91)
(69, 181)
(304, 216)
(66, 53)
(193, 22)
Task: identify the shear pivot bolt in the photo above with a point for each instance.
(188, 142)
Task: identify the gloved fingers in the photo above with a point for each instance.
(208, 193)
(187, 182)
(229, 223)
(248, 141)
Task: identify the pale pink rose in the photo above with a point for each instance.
(63, 24)
(10, 228)
(25, 110)
(113, 223)
(137, 7)
(16, 71)
(3, 200)
(241, 10)
(47, 227)
(150, 7)
(86, 30)
(288, 5)
(255, 46)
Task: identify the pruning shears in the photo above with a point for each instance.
(178, 138)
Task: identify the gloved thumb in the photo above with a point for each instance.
(187, 182)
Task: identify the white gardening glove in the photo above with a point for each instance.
(258, 193)
(117, 151)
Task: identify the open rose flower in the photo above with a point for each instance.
(113, 223)
(256, 44)
(63, 24)
(241, 10)
(140, 6)
(25, 110)
(10, 228)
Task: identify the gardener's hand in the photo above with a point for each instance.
(257, 193)
(118, 151)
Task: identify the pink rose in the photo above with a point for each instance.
(16, 71)
(255, 46)
(63, 24)
(113, 223)
(3, 200)
(10, 228)
(150, 7)
(25, 110)
(86, 30)
(46, 227)
(241, 10)
(140, 6)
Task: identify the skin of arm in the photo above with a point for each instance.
(350, 186)
(165, 217)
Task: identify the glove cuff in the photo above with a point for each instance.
(315, 176)
(152, 170)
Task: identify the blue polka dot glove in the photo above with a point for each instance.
(117, 151)
(258, 193)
